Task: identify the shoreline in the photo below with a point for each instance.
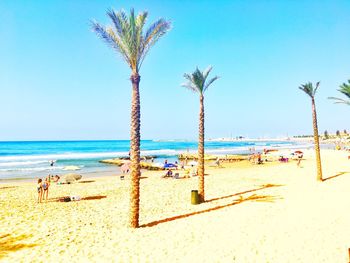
(114, 169)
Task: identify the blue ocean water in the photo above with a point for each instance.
(31, 159)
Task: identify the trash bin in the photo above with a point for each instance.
(194, 197)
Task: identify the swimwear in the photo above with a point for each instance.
(45, 186)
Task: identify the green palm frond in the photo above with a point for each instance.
(153, 34)
(108, 35)
(206, 72)
(309, 89)
(126, 35)
(197, 80)
(210, 82)
(339, 100)
(190, 87)
(345, 90)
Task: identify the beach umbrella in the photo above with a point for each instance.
(71, 178)
(298, 152)
(170, 165)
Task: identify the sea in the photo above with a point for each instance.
(25, 160)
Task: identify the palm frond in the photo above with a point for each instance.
(188, 77)
(152, 35)
(210, 82)
(206, 72)
(190, 87)
(108, 36)
(345, 89)
(126, 35)
(197, 80)
(309, 89)
(118, 24)
(317, 85)
(339, 100)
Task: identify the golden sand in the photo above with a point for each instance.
(254, 213)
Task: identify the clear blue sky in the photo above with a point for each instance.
(59, 81)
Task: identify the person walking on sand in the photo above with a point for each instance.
(39, 188)
(300, 156)
(45, 187)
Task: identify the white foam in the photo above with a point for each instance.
(32, 169)
(60, 156)
(65, 156)
(25, 163)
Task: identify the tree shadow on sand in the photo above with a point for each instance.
(244, 192)
(334, 176)
(10, 244)
(254, 197)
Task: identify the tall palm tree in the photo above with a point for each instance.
(311, 91)
(127, 37)
(345, 89)
(197, 82)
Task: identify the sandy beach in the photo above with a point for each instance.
(275, 212)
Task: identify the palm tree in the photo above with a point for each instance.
(126, 36)
(345, 89)
(311, 91)
(197, 82)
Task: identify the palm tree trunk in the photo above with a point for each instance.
(317, 143)
(201, 150)
(135, 152)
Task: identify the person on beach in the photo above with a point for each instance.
(300, 157)
(259, 158)
(193, 171)
(45, 187)
(183, 165)
(169, 173)
(56, 178)
(39, 188)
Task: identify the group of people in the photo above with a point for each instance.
(188, 173)
(256, 158)
(43, 187)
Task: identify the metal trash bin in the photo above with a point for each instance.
(194, 197)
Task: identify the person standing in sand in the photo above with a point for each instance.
(300, 156)
(45, 188)
(39, 187)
